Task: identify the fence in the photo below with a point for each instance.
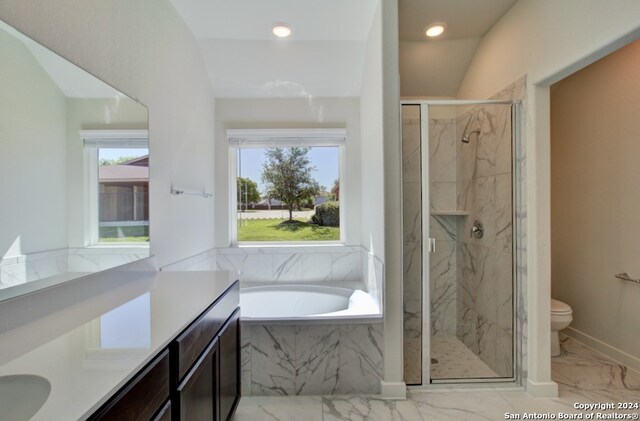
(126, 206)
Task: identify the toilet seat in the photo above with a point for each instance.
(560, 308)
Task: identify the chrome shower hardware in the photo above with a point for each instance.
(477, 230)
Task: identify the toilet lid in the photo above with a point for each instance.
(558, 307)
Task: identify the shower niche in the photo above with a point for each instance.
(458, 241)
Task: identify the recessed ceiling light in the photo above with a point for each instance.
(435, 29)
(281, 30)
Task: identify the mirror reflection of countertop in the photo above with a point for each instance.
(96, 356)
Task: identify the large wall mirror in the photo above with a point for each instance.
(74, 170)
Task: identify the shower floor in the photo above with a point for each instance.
(455, 360)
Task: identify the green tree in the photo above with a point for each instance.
(247, 191)
(287, 176)
(116, 161)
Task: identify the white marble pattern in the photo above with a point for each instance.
(345, 267)
(273, 368)
(257, 268)
(413, 318)
(443, 227)
(451, 359)
(317, 359)
(286, 267)
(442, 279)
(412, 266)
(297, 408)
(411, 152)
(316, 267)
(412, 360)
(245, 358)
(442, 196)
(370, 409)
(442, 150)
(448, 406)
(468, 404)
(310, 360)
(11, 275)
(361, 361)
(582, 368)
(412, 216)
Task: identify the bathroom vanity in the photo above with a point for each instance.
(167, 349)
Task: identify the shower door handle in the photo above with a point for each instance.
(432, 245)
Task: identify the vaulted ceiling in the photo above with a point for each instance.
(323, 57)
(325, 54)
(436, 67)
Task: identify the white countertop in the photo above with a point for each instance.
(89, 358)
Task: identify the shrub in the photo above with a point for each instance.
(327, 214)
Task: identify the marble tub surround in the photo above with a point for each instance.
(17, 270)
(331, 264)
(311, 359)
(583, 375)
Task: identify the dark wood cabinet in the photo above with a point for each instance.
(229, 367)
(196, 395)
(143, 396)
(165, 413)
(197, 377)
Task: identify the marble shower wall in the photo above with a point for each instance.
(412, 244)
(442, 270)
(279, 360)
(484, 266)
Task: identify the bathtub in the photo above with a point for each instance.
(296, 304)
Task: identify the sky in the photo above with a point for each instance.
(325, 159)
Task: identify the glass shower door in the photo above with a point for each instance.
(458, 242)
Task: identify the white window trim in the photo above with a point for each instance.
(264, 138)
(92, 141)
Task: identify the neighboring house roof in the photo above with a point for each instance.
(274, 202)
(121, 173)
(142, 161)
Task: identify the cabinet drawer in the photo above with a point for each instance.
(196, 395)
(143, 396)
(195, 339)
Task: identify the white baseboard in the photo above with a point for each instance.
(542, 390)
(620, 356)
(393, 390)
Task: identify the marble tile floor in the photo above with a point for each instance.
(456, 361)
(583, 376)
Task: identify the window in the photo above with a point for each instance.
(286, 185)
(117, 181)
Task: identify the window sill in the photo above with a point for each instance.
(266, 244)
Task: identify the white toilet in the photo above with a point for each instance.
(561, 317)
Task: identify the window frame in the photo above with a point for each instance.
(93, 141)
(284, 138)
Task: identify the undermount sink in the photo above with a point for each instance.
(22, 395)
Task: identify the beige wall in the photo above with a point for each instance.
(595, 197)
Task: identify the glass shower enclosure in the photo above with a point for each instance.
(458, 213)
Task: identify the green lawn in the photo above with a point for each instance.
(124, 234)
(274, 230)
